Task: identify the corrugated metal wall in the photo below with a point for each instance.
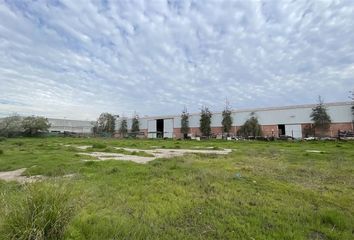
(68, 125)
(339, 112)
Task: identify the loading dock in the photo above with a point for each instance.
(293, 130)
(290, 130)
(281, 130)
(168, 128)
(160, 128)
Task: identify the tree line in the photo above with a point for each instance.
(105, 125)
(15, 125)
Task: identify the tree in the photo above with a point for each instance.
(320, 117)
(105, 123)
(11, 126)
(205, 121)
(33, 125)
(226, 119)
(251, 127)
(135, 124)
(185, 123)
(95, 129)
(123, 129)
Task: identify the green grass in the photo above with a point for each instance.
(41, 212)
(262, 190)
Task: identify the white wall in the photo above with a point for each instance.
(293, 130)
(339, 112)
(168, 128)
(68, 125)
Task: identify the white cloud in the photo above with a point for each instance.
(80, 58)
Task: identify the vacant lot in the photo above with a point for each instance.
(275, 190)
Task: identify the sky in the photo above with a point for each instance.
(77, 59)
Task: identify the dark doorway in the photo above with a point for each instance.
(281, 130)
(159, 128)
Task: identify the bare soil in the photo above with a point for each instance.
(157, 153)
(16, 175)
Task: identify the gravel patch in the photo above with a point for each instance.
(16, 175)
(157, 153)
(84, 147)
(104, 156)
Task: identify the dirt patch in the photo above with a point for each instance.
(167, 153)
(84, 147)
(16, 175)
(157, 153)
(103, 156)
(317, 236)
(201, 147)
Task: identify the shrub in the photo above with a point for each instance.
(227, 119)
(333, 218)
(89, 163)
(320, 117)
(2, 139)
(43, 212)
(19, 143)
(99, 145)
(113, 170)
(105, 124)
(123, 130)
(205, 121)
(251, 128)
(135, 125)
(185, 123)
(1, 151)
(34, 125)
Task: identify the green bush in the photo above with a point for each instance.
(2, 139)
(19, 144)
(99, 145)
(43, 212)
(333, 218)
(1, 151)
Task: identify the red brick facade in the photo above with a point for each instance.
(308, 129)
(270, 130)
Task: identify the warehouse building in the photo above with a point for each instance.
(291, 121)
(70, 126)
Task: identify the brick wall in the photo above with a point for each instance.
(307, 129)
(268, 130)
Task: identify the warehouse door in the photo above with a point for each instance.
(293, 130)
(281, 130)
(152, 129)
(168, 128)
(159, 128)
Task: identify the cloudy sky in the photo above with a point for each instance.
(76, 59)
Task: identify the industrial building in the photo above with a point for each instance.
(70, 126)
(291, 121)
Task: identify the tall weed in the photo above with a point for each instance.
(42, 212)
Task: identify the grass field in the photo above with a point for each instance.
(262, 190)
